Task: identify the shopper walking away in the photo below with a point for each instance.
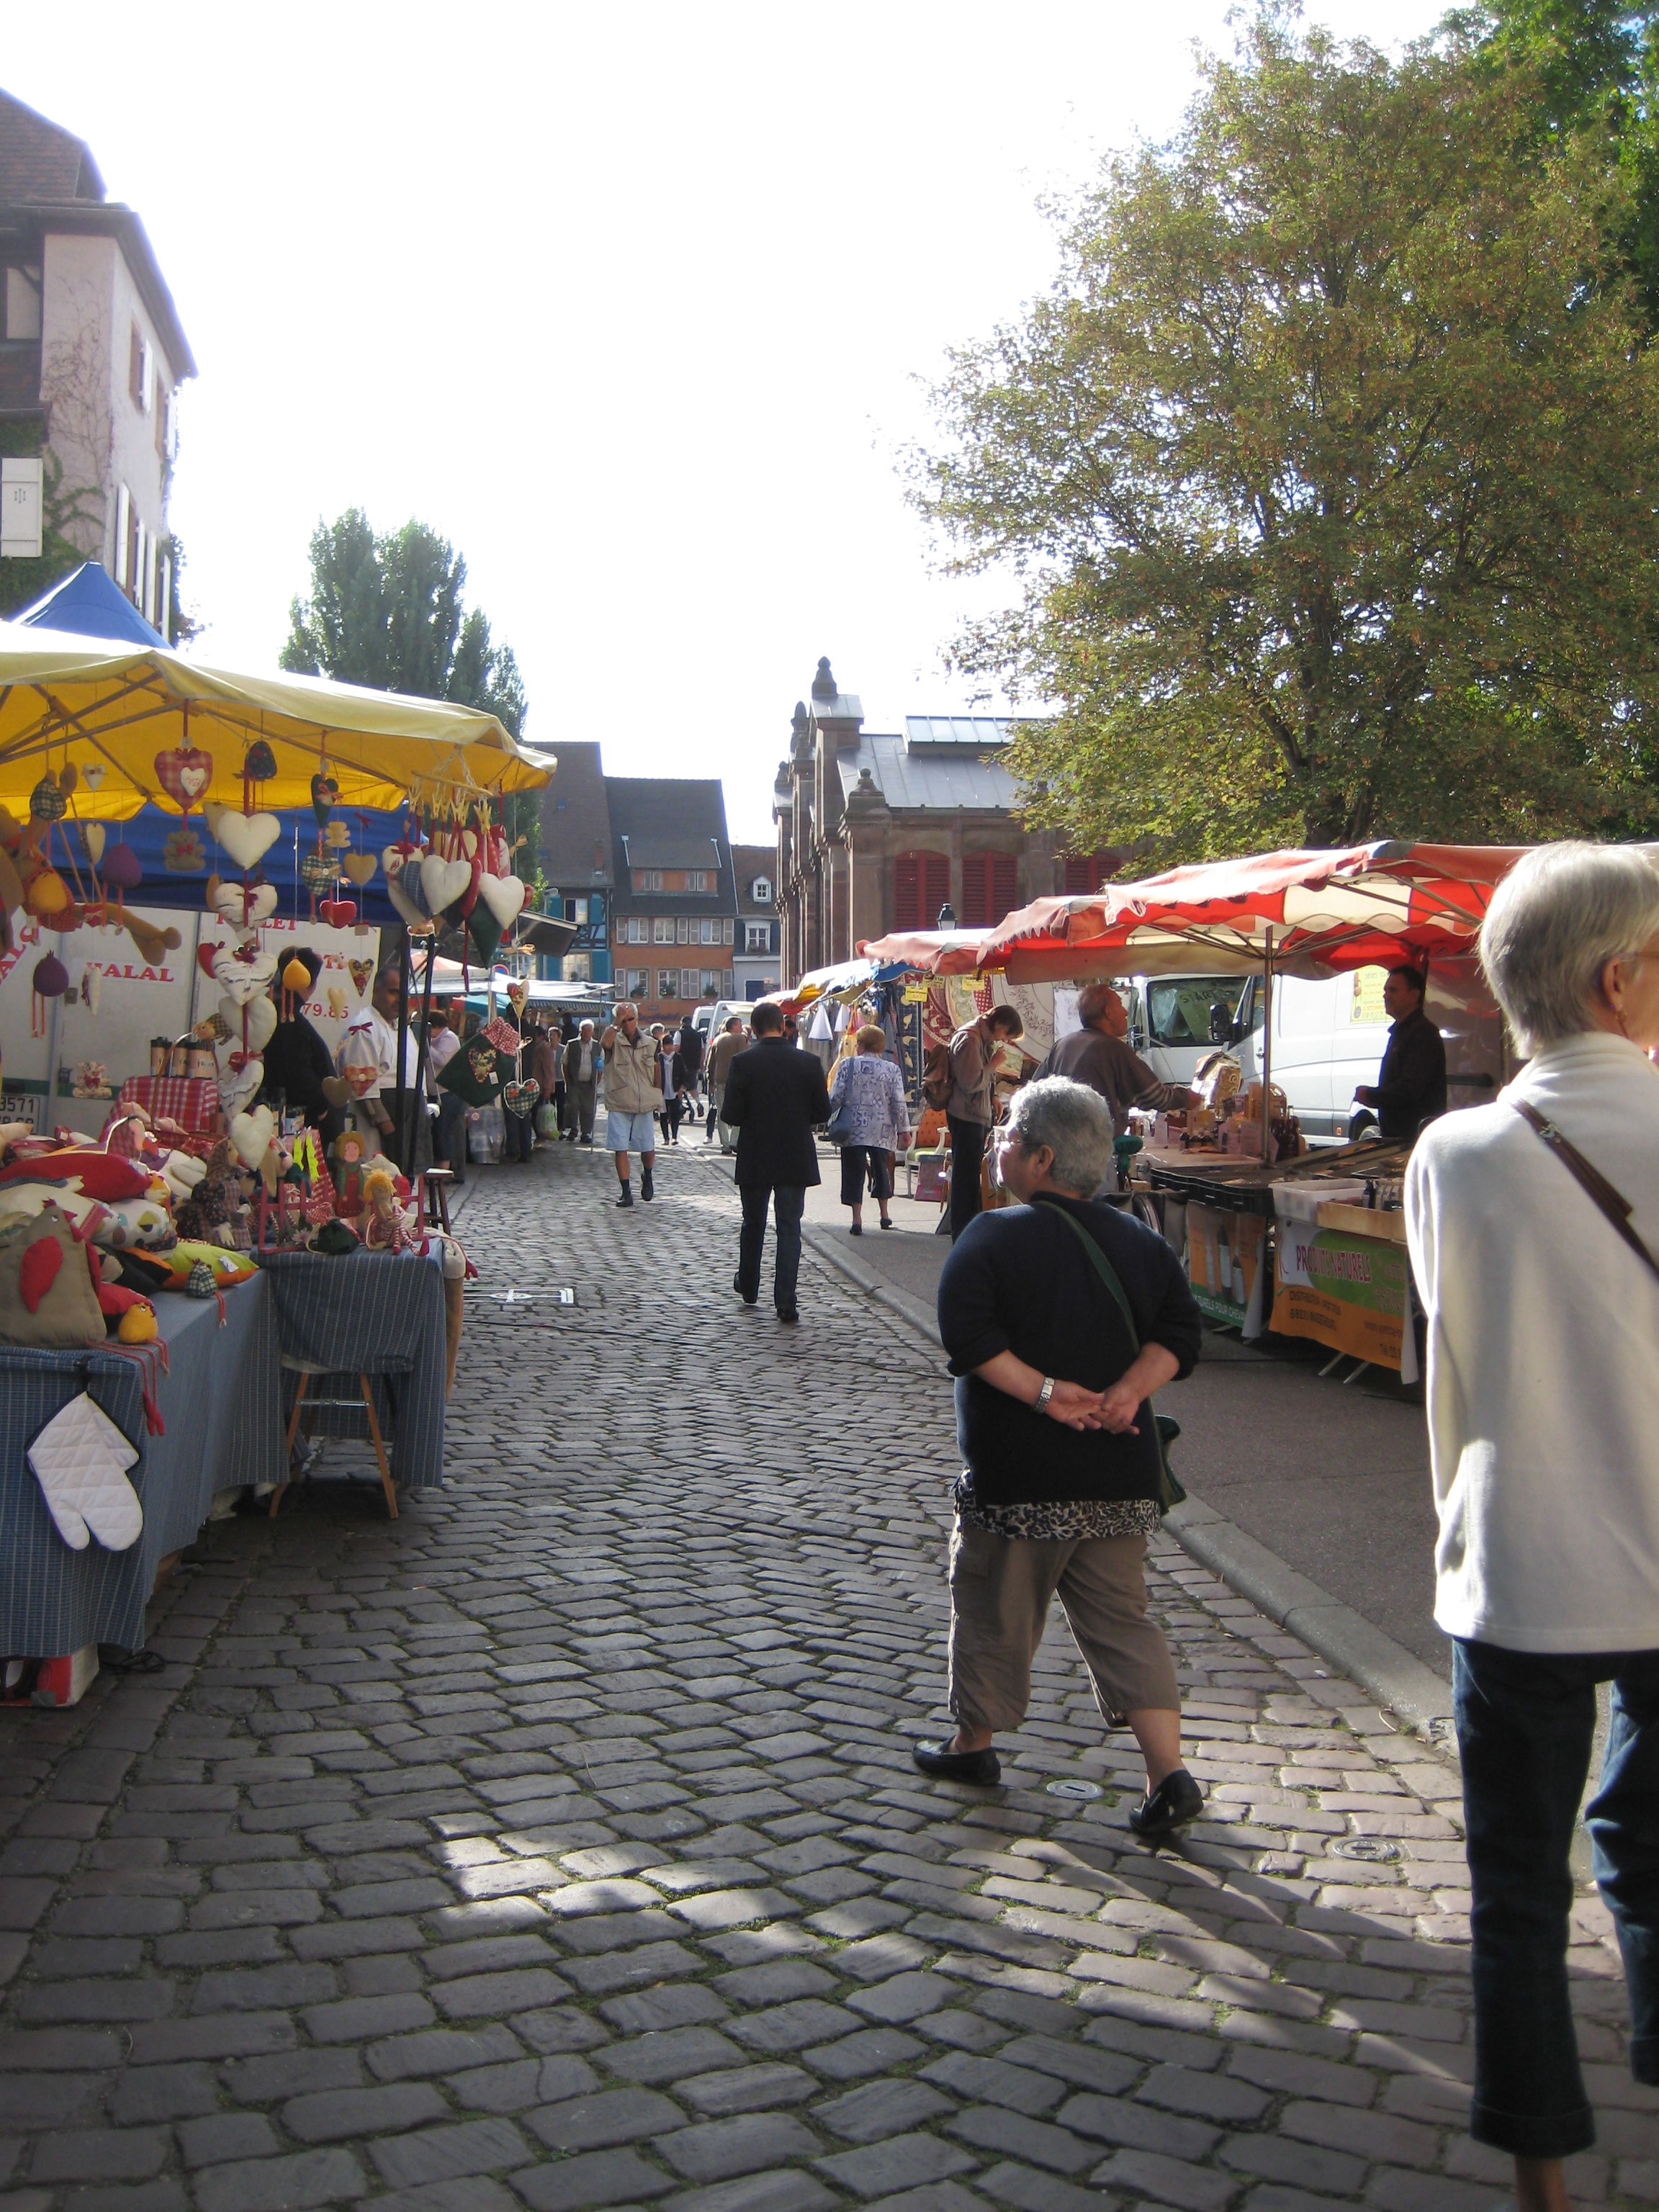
(582, 1062)
(1411, 1084)
(631, 1098)
(691, 1059)
(732, 1040)
(443, 1042)
(671, 1078)
(1533, 1230)
(1100, 1054)
(775, 1098)
(872, 1091)
(1062, 1465)
(972, 1108)
(547, 1067)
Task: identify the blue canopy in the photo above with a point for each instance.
(90, 602)
(150, 829)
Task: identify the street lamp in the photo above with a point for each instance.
(947, 916)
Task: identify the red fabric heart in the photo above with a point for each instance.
(338, 913)
(185, 774)
(204, 958)
(39, 1270)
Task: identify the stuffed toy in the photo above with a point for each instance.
(131, 1310)
(336, 1237)
(388, 1226)
(209, 1215)
(115, 1201)
(49, 1281)
(229, 1268)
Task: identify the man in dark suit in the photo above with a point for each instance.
(774, 1097)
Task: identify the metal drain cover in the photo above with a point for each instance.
(1083, 1790)
(1373, 1849)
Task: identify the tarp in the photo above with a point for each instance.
(90, 603)
(110, 708)
(153, 834)
(1322, 911)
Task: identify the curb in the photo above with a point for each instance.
(1367, 1654)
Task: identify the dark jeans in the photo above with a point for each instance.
(859, 1163)
(788, 1201)
(1525, 1721)
(968, 1141)
(451, 1146)
(520, 1137)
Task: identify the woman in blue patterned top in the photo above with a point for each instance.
(874, 1091)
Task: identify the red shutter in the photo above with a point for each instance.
(921, 886)
(1086, 872)
(990, 889)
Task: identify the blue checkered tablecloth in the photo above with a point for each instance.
(221, 1405)
(373, 1313)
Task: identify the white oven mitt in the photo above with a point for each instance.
(80, 1459)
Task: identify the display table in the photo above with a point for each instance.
(1216, 1208)
(219, 1403)
(367, 1313)
(1341, 1276)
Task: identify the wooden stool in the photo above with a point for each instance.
(364, 1385)
(437, 1182)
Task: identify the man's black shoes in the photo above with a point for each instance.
(736, 1284)
(788, 1314)
(647, 1188)
(625, 1196)
(1176, 1801)
(981, 1767)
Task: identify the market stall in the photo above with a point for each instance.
(196, 1233)
(1228, 1188)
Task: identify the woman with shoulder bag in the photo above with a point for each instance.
(870, 1122)
(1061, 1317)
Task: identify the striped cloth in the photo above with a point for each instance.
(375, 1313)
(191, 1100)
(220, 1403)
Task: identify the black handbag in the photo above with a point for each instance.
(1165, 1427)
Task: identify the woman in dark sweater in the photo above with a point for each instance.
(1061, 1465)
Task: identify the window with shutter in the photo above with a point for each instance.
(921, 886)
(1086, 872)
(136, 366)
(990, 888)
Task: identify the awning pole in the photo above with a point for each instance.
(400, 1114)
(1266, 1041)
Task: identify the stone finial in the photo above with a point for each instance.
(797, 719)
(823, 684)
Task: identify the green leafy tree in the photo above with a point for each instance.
(389, 612)
(1327, 475)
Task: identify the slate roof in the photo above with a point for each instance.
(576, 837)
(40, 162)
(748, 861)
(916, 777)
(669, 813)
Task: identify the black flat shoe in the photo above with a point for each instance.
(855, 1229)
(981, 1767)
(1176, 1801)
(788, 1314)
(627, 1197)
(736, 1284)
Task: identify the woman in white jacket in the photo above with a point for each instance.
(1543, 1398)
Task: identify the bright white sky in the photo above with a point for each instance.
(632, 303)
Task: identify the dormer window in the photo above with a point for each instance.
(760, 890)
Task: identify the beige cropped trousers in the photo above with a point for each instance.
(1001, 1588)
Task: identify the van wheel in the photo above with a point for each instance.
(1364, 1126)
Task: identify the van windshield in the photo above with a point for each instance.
(1194, 1009)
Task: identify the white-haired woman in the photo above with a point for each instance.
(1061, 1465)
(1528, 1221)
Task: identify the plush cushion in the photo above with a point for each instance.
(476, 1072)
(48, 1283)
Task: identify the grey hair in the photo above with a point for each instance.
(1556, 919)
(585, 1025)
(1092, 1001)
(1076, 1125)
(627, 1007)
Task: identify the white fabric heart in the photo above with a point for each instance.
(261, 1021)
(251, 1136)
(247, 837)
(246, 909)
(504, 896)
(80, 1461)
(420, 924)
(238, 1084)
(442, 881)
(242, 979)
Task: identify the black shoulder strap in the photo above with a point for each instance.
(1103, 1267)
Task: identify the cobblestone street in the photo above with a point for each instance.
(558, 1845)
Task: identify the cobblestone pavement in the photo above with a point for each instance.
(558, 1845)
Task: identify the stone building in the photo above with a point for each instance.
(878, 832)
(642, 865)
(92, 355)
(757, 953)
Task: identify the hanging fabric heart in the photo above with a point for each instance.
(245, 905)
(251, 1136)
(325, 798)
(242, 972)
(46, 802)
(317, 872)
(261, 762)
(246, 838)
(257, 1018)
(241, 1084)
(121, 871)
(185, 774)
(92, 835)
(93, 775)
(358, 869)
(504, 896)
(338, 913)
(360, 971)
(483, 930)
(443, 883)
(80, 1461)
(519, 1097)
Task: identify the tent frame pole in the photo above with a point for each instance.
(400, 1113)
(1268, 1044)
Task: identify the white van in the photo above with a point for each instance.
(709, 1021)
(1329, 1035)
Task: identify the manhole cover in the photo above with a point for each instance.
(1372, 1849)
(1079, 1789)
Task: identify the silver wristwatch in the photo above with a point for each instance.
(1043, 1396)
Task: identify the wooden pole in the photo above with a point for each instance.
(400, 1109)
(1266, 1041)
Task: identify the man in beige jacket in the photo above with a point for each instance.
(631, 1099)
(727, 1046)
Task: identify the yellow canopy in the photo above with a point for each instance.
(109, 708)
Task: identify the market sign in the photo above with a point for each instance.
(1349, 1292)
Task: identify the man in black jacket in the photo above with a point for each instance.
(1411, 1085)
(774, 1097)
